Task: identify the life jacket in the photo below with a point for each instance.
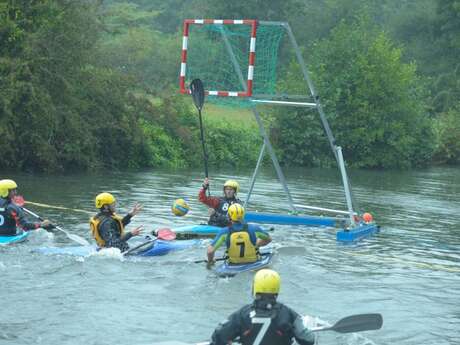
(220, 218)
(95, 223)
(240, 248)
(8, 224)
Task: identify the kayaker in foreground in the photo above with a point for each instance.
(108, 228)
(218, 206)
(242, 239)
(12, 218)
(265, 321)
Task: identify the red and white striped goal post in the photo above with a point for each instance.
(252, 54)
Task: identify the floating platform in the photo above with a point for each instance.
(287, 219)
(357, 233)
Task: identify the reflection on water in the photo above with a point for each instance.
(410, 272)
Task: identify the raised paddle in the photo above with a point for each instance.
(355, 323)
(161, 234)
(19, 200)
(197, 91)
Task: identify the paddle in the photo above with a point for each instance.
(349, 324)
(19, 200)
(58, 207)
(205, 260)
(355, 323)
(164, 234)
(197, 91)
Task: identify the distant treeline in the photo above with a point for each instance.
(91, 84)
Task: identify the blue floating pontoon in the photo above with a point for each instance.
(357, 233)
(271, 218)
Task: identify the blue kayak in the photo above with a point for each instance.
(227, 269)
(200, 230)
(160, 247)
(13, 239)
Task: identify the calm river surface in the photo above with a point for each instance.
(410, 272)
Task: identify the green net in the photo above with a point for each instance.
(219, 56)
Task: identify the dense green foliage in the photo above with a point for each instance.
(92, 84)
(372, 99)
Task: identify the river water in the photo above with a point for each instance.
(409, 272)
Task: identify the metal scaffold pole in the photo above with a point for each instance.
(335, 149)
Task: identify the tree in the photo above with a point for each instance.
(374, 102)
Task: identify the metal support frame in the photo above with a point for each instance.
(293, 104)
(254, 175)
(262, 130)
(337, 151)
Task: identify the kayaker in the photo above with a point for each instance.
(12, 218)
(265, 321)
(218, 206)
(108, 228)
(242, 239)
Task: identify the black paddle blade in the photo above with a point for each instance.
(197, 90)
(358, 323)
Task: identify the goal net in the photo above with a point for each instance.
(235, 59)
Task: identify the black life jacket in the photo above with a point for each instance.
(220, 217)
(7, 222)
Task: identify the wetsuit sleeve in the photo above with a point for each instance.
(109, 232)
(302, 334)
(126, 219)
(21, 221)
(210, 201)
(260, 233)
(220, 238)
(228, 330)
(126, 236)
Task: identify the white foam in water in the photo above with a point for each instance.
(109, 253)
(40, 236)
(359, 339)
(314, 322)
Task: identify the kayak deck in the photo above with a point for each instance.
(228, 270)
(158, 248)
(5, 240)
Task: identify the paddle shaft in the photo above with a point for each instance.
(204, 260)
(75, 238)
(129, 251)
(203, 145)
(197, 91)
(40, 218)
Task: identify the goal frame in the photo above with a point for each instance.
(252, 23)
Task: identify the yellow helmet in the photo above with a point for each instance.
(266, 281)
(236, 212)
(232, 184)
(6, 186)
(104, 199)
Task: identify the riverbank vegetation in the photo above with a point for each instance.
(92, 84)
